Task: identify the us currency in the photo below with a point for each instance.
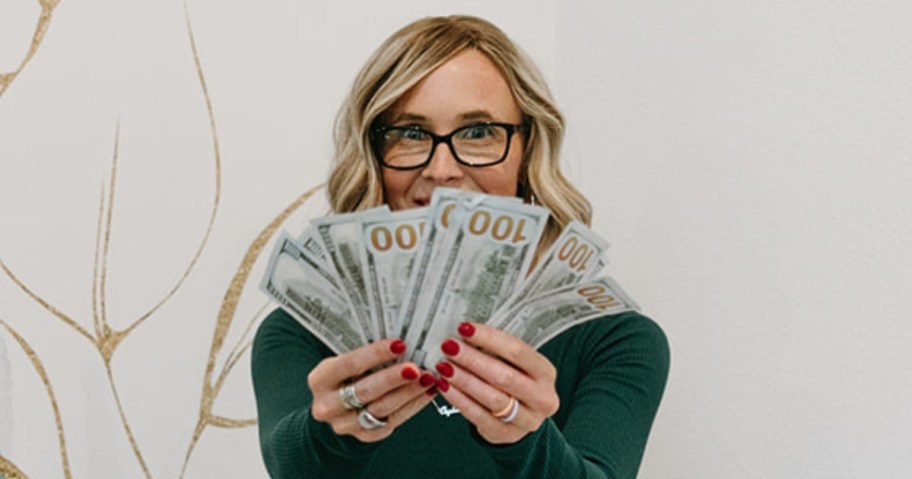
(391, 241)
(308, 293)
(444, 209)
(574, 256)
(340, 236)
(538, 319)
(493, 242)
(310, 241)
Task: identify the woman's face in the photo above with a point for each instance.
(467, 89)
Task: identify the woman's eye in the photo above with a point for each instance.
(413, 135)
(477, 132)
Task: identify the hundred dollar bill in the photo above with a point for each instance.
(493, 241)
(340, 236)
(309, 294)
(574, 256)
(446, 207)
(538, 319)
(310, 241)
(443, 210)
(391, 241)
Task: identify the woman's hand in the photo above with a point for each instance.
(393, 394)
(487, 371)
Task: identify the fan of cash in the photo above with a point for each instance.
(416, 274)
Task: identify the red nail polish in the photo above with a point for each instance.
(426, 380)
(444, 368)
(409, 374)
(450, 347)
(432, 391)
(397, 347)
(467, 329)
(443, 385)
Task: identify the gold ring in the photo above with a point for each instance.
(514, 411)
(506, 410)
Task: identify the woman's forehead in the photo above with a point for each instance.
(467, 87)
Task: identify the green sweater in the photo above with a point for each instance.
(611, 376)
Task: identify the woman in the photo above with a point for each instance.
(581, 406)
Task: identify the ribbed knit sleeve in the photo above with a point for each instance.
(615, 389)
(292, 442)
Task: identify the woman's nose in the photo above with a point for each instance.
(443, 167)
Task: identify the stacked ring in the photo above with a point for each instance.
(368, 421)
(508, 413)
(349, 398)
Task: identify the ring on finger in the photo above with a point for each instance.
(349, 398)
(367, 420)
(509, 413)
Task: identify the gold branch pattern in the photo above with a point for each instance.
(223, 324)
(105, 338)
(218, 173)
(44, 21)
(7, 468)
(101, 335)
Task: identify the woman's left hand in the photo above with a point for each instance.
(486, 371)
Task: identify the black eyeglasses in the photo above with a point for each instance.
(411, 147)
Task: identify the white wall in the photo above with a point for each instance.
(752, 162)
(748, 161)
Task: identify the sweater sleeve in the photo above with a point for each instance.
(294, 444)
(601, 431)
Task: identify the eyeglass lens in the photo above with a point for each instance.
(477, 145)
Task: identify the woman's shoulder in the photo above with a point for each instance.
(630, 324)
(280, 322)
(279, 328)
(612, 335)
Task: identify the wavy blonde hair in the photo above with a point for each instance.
(403, 60)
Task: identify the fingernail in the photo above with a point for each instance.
(443, 385)
(445, 369)
(450, 347)
(426, 380)
(467, 329)
(409, 373)
(432, 391)
(397, 347)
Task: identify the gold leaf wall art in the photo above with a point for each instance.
(7, 468)
(44, 22)
(104, 338)
(225, 319)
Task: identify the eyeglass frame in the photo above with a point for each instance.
(446, 139)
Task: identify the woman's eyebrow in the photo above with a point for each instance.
(473, 115)
(411, 117)
(477, 115)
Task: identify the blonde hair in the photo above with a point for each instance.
(403, 60)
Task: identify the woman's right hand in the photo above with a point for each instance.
(392, 394)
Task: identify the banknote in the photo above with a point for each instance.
(310, 240)
(341, 238)
(391, 241)
(538, 319)
(308, 293)
(490, 243)
(416, 274)
(444, 209)
(572, 258)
